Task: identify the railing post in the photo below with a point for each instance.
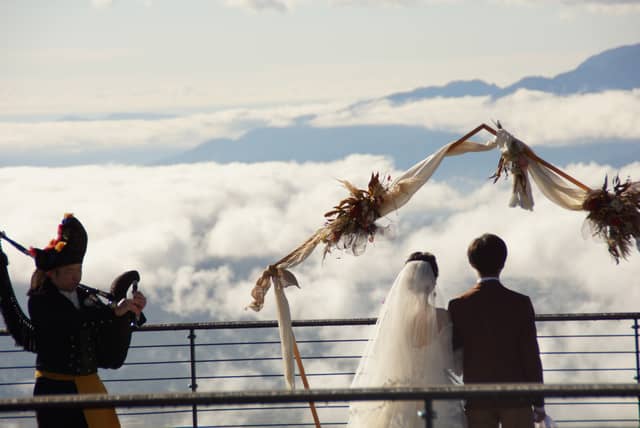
(635, 334)
(427, 413)
(193, 386)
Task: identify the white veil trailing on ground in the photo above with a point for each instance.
(410, 347)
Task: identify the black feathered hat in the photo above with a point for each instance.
(67, 249)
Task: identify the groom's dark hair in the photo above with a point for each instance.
(487, 254)
(425, 257)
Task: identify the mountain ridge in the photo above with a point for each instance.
(612, 69)
(302, 142)
(405, 144)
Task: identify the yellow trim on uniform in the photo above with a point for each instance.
(88, 384)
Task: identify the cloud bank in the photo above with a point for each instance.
(263, 5)
(615, 7)
(201, 234)
(537, 118)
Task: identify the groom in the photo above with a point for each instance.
(495, 328)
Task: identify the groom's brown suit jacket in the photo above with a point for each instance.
(495, 327)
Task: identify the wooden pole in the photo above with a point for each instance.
(529, 153)
(303, 376)
(558, 171)
(473, 132)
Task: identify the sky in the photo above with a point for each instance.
(200, 234)
(152, 55)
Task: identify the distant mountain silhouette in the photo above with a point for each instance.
(405, 144)
(459, 88)
(301, 142)
(613, 69)
(616, 68)
(306, 143)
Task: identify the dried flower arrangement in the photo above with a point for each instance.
(614, 216)
(351, 223)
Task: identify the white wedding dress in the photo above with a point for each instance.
(411, 347)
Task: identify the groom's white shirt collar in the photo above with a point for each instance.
(487, 278)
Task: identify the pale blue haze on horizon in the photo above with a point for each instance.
(78, 56)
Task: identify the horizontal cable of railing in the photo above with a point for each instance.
(439, 392)
(221, 325)
(369, 321)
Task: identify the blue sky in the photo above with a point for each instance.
(96, 56)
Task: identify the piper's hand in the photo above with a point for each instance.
(539, 414)
(135, 305)
(139, 300)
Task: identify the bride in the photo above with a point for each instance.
(411, 347)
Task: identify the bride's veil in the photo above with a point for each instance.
(409, 346)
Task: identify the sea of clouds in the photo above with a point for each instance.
(200, 234)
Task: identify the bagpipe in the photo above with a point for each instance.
(18, 323)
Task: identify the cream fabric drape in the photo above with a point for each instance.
(550, 183)
(286, 334)
(405, 186)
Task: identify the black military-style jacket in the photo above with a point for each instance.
(77, 341)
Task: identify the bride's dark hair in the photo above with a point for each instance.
(425, 256)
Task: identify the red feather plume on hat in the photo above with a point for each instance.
(67, 248)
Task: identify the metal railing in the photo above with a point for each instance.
(577, 349)
(426, 395)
